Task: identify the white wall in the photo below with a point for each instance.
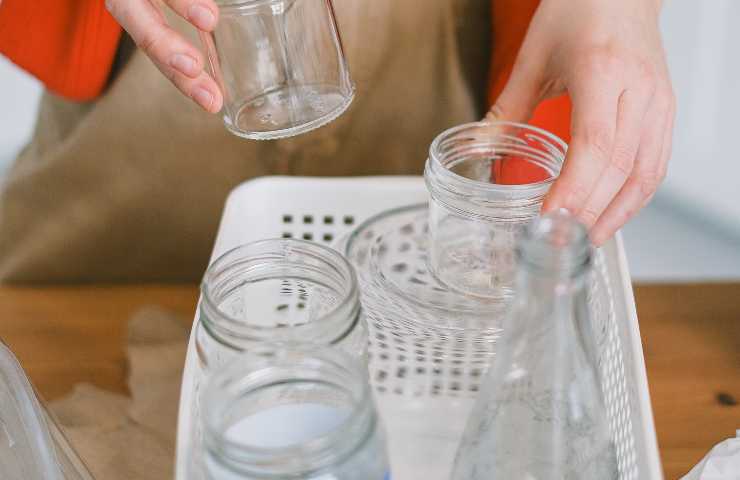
(702, 39)
(19, 96)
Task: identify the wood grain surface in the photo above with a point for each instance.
(690, 333)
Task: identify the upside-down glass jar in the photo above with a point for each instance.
(291, 411)
(280, 65)
(486, 182)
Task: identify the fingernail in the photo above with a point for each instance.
(185, 64)
(202, 17)
(203, 97)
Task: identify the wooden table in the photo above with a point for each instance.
(690, 333)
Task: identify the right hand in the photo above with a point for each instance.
(179, 61)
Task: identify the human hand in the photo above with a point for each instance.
(179, 61)
(608, 56)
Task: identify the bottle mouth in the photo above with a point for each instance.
(287, 410)
(499, 166)
(556, 243)
(279, 290)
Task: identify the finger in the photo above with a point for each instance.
(646, 176)
(202, 90)
(595, 103)
(633, 105)
(520, 96)
(203, 14)
(174, 56)
(149, 30)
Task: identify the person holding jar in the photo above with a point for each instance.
(122, 161)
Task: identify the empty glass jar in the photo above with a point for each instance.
(279, 290)
(280, 65)
(486, 181)
(287, 411)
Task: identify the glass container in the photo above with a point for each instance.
(32, 446)
(284, 290)
(541, 413)
(486, 182)
(280, 65)
(290, 412)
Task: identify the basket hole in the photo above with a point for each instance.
(308, 219)
(308, 236)
(328, 237)
(348, 219)
(328, 220)
(287, 218)
(287, 235)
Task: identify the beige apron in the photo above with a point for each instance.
(130, 187)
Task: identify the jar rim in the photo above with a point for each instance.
(346, 310)
(357, 425)
(448, 176)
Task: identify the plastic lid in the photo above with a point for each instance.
(29, 449)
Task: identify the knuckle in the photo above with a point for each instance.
(648, 183)
(623, 158)
(149, 43)
(601, 61)
(599, 139)
(588, 216)
(645, 72)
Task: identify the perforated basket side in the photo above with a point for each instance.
(322, 209)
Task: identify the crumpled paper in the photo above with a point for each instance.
(721, 463)
(122, 438)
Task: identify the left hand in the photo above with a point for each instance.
(608, 56)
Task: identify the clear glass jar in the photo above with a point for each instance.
(289, 412)
(280, 65)
(278, 290)
(486, 182)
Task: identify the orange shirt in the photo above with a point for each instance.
(69, 45)
(510, 22)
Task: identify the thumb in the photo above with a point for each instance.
(520, 96)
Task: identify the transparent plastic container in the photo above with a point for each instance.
(293, 411)
(32, 447)
(280, 65)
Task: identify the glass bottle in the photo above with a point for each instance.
(541, 413)
(292, 412)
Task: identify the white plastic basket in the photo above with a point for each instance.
(323, 209)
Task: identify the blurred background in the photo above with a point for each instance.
(691, 231)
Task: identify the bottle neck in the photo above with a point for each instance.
(286, 412)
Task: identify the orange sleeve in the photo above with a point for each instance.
(69, 45)
(510, 21)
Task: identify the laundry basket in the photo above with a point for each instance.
(322, 210)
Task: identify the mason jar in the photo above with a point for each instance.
(292, 412)
(280, 65)
(278, 290)
(486, 181)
